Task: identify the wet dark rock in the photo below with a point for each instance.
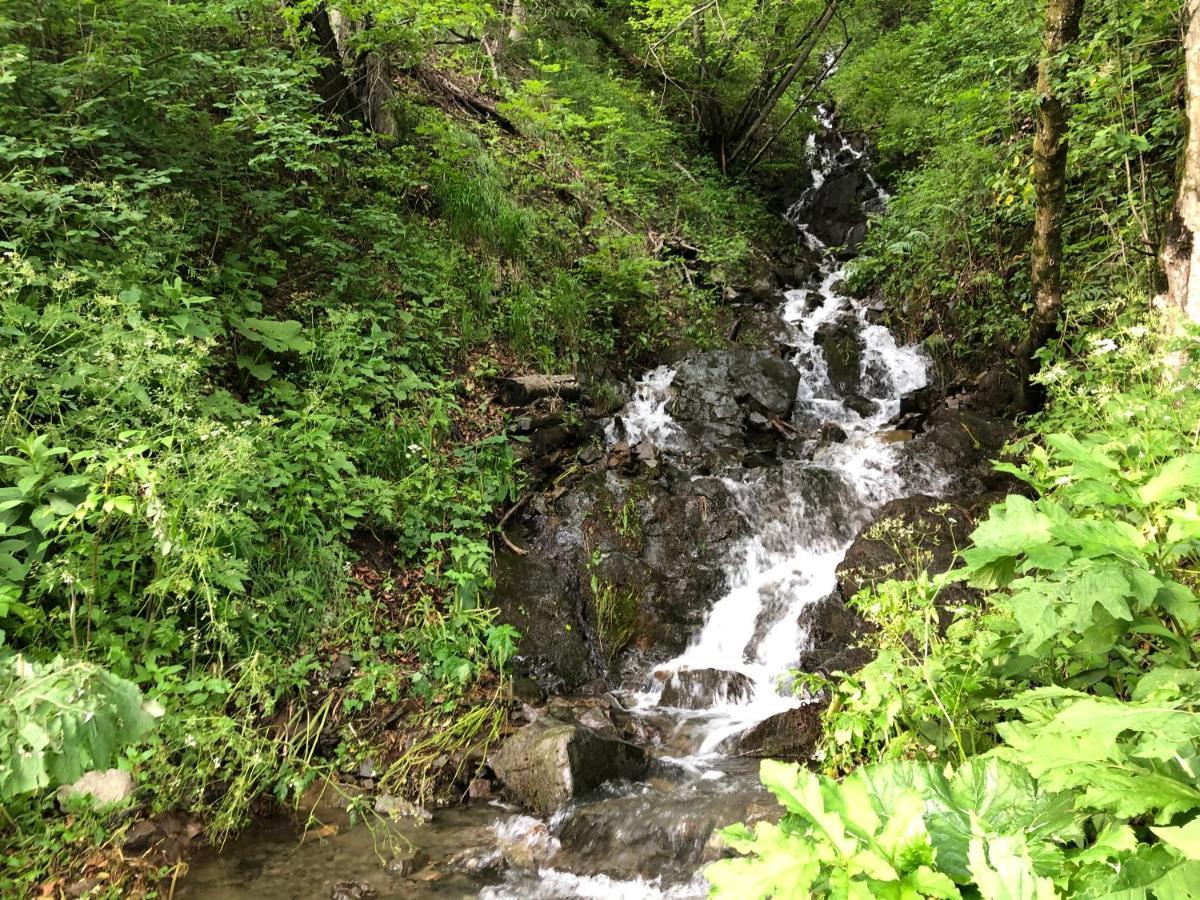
(906, 535)
(533, 597)
(965, 441)
(832, 433)
(842, 345)
(861, 405)
(790, 735)
(550, 762)
(656, 543)
(705, 688)
(918, 404)
(832, 632)
(717, 391)
(855, 235)
(527, 690)
(835, 208)
(967, 434)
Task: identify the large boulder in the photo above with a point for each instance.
(551, 761)
(790, 735)
(103, 789)
(650, 547)
(842, 345)
(836, 207)
(965, 442)
(832, 635)
(717, 394)
(705, 688)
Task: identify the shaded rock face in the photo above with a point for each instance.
(653, 543)
(965, 441)
(704, 688)
(533, 597)
(843, 349)
(836, 208)
(833, 632)
(790, 735)
(549, 762)
(721, 392)
(906, 535)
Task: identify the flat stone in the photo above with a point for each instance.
(790, 735)
(106, 789)
(550, 761)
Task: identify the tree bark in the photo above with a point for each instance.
(332, 83)
(354, 85)
(1050, 183)
(1181, 253)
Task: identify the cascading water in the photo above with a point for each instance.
(802, 516)
(647, 841)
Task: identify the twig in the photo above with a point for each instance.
(504, 520)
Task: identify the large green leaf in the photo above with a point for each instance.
(784, 867)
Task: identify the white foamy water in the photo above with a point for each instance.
(800, 529)
(645, 417)
(552, 884)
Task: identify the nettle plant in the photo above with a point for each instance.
(1073, 681)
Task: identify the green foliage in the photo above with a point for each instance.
(1076, 673)
(242, 342)
(60, 719)
(945, 91)
(901, 829)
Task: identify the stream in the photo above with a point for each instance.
(650, 838)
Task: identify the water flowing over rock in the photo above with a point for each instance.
(703, 688)
(671, 580)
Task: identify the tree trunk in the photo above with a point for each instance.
(332, 83)
(1181, 254)
(1050, 182)
(353, 84)
(370, 75)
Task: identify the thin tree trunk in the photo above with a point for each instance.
(802, 104)
(332, 84)
(806, 48)
(1050, 183)
(1181, 254)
